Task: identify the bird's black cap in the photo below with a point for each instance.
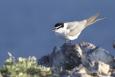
(59, 25)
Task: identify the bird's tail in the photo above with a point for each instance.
(93, 19)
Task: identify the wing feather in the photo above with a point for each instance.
(77, 28)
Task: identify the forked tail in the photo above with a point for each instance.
(93, 19)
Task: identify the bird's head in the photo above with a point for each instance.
(59, 28)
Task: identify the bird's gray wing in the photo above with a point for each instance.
(79, 26)
(76, 27)
(72, 25)
(92, 19)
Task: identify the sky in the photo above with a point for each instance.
(25, 25)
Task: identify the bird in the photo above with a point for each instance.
(72, 30)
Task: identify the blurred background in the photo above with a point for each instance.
(25, 25)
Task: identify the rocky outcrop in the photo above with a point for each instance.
(69, 60)
(79, 60)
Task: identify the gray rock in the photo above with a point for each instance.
(79, 60)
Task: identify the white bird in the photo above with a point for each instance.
(72, 30)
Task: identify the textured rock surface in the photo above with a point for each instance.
(79, 60)
(69, 60)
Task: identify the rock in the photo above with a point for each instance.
(103, 69)
(114, 44)
(79, 60)
(93, 53)
(99, 68)
(66, 56)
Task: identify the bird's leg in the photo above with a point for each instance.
(68, 41)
